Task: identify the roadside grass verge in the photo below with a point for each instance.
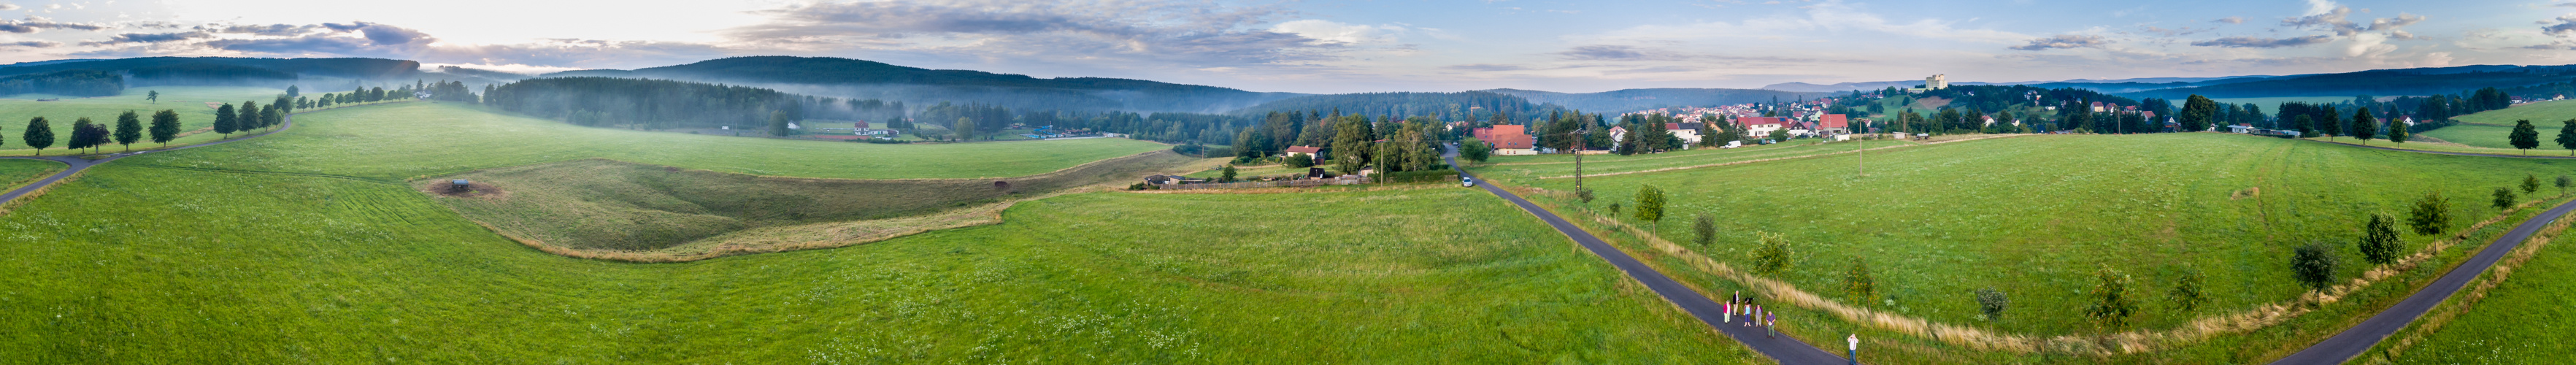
(2519, 313)
(141, 264)
(417, 140)
(1938, 222)
(16, 173)
(611, 209)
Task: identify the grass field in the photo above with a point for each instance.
(15, 173)
(188, 101)
(2054, 208)
(1525, 169)
(596, 204)
(418, 140)
(1246, 172)
(137, 263)
(2524, 320)
(2487, 132)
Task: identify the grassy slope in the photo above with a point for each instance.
(17, 172)
(2489, 129)
(188, 101)
(136, 263)
(415, 140)
(1937, 221)
(2524, 320)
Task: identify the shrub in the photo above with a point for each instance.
(1857, 283)
(1614, 209)
(2432, 214)
(2111, 303)
(2379, 243)
(1706, 228)
(2503, 198)
(1227, 175)
(2530, 183)
(1584, 194)
(1771, 255)
(2314, 264)
(2564, 181)
(1992, 303)
(2186, 294)
(1650, 204)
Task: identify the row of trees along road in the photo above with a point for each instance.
(85, 134)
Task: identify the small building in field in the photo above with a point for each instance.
(1308, 151)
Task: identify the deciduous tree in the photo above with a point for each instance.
(1705, 230)
(226, 120)
(1857, 283)
(1992, 303)
(2111, 303)
(2196, 113)
(2567, 136)
(2314, 265)
(165, 126)
(2364, 125)
(2503, 198)
(1772, 254)
(39, 135)
(2524, 136)
(2432, 214)
(2379, 244)
(129, 128)
(1650, 204)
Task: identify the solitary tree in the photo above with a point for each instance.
(39, 134)
(1650, 204)
(2111, 302)
(154, 96)
(2563, 182)
(2314, 265)
(2379, 243)
(1226, 176)
(1706, 228)
(1772, 255)
(2364, 125)
(2524, 136)
(2197, 112)
(1992, 303)
(226, 122)
(2187, 294)
(2503, 198)
(2432, 214)
(129, 128)
(165, 126)
(2567, 136)
(1858, 284)
(2530, 183)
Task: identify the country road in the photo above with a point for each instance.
(80, 163)
(2352, 342)
(1785, 349)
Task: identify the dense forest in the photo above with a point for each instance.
(861, 79)
(356, 68)
(646, 103)
(82, 83)
(207, 74)
(1641, 99)
(2378, 82)
(1471, 105)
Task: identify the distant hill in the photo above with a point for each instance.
(827, 76)
(1638, 99)
(2421, 81)
(356, 68)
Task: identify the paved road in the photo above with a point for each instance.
(2358, 339)
(78, 163)
(1783, 348)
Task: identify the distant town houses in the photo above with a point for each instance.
(1508, 139)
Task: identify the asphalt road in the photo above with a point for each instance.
(1785, 349)
(80, 163)
(2358, 339)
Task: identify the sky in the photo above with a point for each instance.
(1349, 46)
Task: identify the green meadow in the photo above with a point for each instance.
(1526, 169)
(1938, 222)
(15, 173)
(2524, 320)
(188, 101)
(420, 139)
(141, 263)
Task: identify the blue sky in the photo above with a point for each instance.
(1350, 46)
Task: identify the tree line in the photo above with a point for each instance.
(88, 135)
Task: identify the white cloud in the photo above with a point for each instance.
(1336, 32)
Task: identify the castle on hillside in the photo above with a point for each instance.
(1936, 82)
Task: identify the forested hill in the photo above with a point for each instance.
(2380, 82)
(1640, 99)
(1478, 105)
(851, 78)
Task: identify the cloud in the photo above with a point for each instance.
(2334, 19)
(35, 23)
(2566, 26)
(8, 6)
(31, 44)
(1488, 67)
(149, 38)
(1154, 32)
(1616, 53)
(2254, 42)
(1329, 31)
(2230, 20)
(2063, 41)
(267, 30)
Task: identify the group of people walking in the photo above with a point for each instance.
(1753, 314)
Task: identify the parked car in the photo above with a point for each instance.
(1471, 182)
